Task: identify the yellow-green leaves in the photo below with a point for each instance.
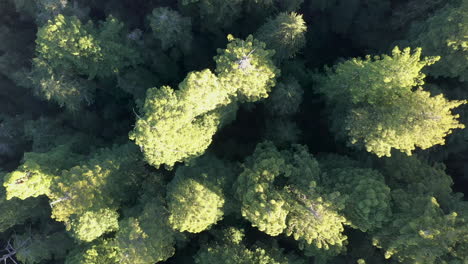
(246, 69)
(279, 194)
(196, 195)
(379, 104)
(193, 206)
(93, 224)
(178, 126)
(66, 48)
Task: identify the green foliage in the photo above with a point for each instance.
(421, 232)
(146, 239)
(367, 202)
(87, 195)
(195, 196)
(35, 248)
(38, 172)
(285, 34)
(215, 12)
(246, 69)
(233, 251)
(170, 28)
(381, 109)
(100, 251)
(279, 194)
(444, 34)
(285, 98)
(65, 47)
(16, 211)
(92, 224)
(178, 126)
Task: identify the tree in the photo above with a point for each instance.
(444, 34)
(285, 34)
(417, 175)
(17, 212)
(37, 247)
(232, 250)
(87, 196)
(367, 197)
(420, 232)
(66, 48)
(246, 69)
(279, 193)
(215, 14)
(147, 238)
(377, 107)
(38, 172)
(170, 28)
(178, 125)
(196, 195)
(100, 251)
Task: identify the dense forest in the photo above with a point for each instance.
(234, 131)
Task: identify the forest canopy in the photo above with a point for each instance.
(238, 132)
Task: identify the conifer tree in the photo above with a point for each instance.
(36, 175)
(367, 197)
(145, 239)
(232, 250)
(36, 248)
(285, 34)
(66, 48)
(197, 196)
(170, 28)
(178, 125)
(378, 103)
(444, 34)
(279, 193)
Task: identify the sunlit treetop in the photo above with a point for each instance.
(375, 80)
(196, 195)
(246, 68)
(100, 251)
(68, 45)
(178, 125)
(170, 28)
(38, 172)
(285, 34)
(145, 239)
(416, 120)
(379, 104)
(279, 194)
(67, 50)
